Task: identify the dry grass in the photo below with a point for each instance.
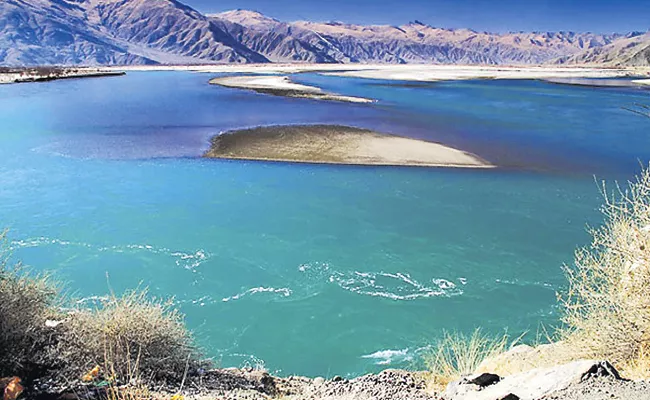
(637, 368)
(26, 303)
(458, 355)
(133, 338)
(607, 304)
(130, 393)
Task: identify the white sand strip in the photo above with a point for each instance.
(642, 81)
(283, 86)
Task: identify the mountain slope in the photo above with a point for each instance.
(56, 32)
(170, 27)
(278, 41)
(630, 51)
(412, 43)
(112, 32)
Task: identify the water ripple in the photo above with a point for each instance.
(188, 260)
(394, 286)
(284, 292)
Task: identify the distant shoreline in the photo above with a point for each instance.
(46, 74)
(334, 144)
(410, 72)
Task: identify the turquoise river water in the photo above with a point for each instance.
(313, 269)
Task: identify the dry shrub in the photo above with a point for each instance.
(131, 393)
(26, 303)
(458, 355)
(132, 337)
(607, 304)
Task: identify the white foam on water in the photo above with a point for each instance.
(517, 282)
(188, 260)
(202, 301)
(283, 292)
(387, 357)
(444, 284)
(395, 286)
(250, 362)
(93, 299)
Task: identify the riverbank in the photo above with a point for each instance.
(282, 86)
(333, 144)
(44, 74)
(580, 380)
(410, 72)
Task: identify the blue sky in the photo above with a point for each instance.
(496, 15)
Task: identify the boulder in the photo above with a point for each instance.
(485, 379)
(530, 385)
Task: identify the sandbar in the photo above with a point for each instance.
(334, 144)
(282, 86)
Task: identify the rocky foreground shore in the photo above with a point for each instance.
(580, 380)
(589, 380)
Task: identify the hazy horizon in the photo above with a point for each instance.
(499, 16)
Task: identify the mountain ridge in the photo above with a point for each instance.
(114, 32)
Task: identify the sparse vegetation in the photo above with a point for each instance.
(26, 303)
(130, 338)
(607, 304)
(457, 355)
(606, 308)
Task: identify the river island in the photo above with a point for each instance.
(283, 86)
(335, 144)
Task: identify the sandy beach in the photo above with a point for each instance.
(282, 86)
(330, 144)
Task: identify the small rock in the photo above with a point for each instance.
(600, 369)
(510, 397)
(319, 381)
(483, 380)
(53, 324)
(337, 379)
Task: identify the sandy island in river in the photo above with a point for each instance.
(282, 86)
(332, 144)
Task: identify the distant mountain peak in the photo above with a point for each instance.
(245, 17)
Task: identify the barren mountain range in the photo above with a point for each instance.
(109, 32)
